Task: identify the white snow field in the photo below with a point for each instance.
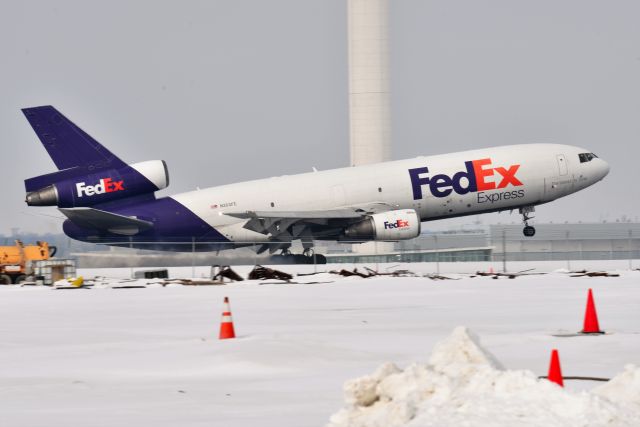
(151, 357)
(464, 385)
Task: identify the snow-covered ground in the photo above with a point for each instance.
(463, 384)
(150, 357)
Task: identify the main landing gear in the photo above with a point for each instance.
(306, 257)
(528, 230)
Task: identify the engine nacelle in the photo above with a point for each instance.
(400, 224)
(75, 188)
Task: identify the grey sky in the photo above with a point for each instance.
(227, 91)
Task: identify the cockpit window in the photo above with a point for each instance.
(586, 157)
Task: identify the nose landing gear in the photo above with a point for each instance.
(529, 231)
(526, 211)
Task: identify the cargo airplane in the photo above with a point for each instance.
(112, 202)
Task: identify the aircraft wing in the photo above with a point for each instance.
(302, 215)
(100, 220)
(287, 225)
(349, 212)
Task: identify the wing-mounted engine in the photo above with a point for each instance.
(87, 186)
(393, 225)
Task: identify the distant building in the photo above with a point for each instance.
(567, 241)
(601, 241)
(442, 247)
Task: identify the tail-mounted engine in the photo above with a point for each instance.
(79, 187)
(392, 225)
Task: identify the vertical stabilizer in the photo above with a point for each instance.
(67, 144)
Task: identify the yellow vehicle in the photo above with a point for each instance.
(15, 261)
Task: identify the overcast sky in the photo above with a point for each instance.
(227, 91)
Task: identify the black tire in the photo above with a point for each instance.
(281, 259)
(529, 231)
(5, 280)
(19, 279)
(301, 259)
(297, 259)
(305, 259)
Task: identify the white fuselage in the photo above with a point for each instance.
(512, 177)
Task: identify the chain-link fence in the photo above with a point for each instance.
(500, 245)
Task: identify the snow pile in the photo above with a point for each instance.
(465, 385)
(623, 388)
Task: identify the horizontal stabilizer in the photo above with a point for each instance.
(96, 219)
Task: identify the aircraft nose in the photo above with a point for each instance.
(603, 169)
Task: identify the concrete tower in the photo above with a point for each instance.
(369, 97)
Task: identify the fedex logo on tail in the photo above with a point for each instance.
(398, 224)
(479, 175)
(106, 185)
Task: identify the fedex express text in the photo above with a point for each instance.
(478, 177)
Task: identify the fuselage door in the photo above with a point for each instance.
(562, 164)
(562, 184)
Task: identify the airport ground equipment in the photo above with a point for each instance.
(14, 260)
(35, 263)
(49, 271)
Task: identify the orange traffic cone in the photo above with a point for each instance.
(226, 326)
(591, 325)
(555, 373)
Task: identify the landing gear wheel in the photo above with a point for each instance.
(285, 252)
(526, 212)
(308, 252)
(321, 259)
(300, 259)
(529, 231)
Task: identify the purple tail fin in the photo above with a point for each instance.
(67, 144)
